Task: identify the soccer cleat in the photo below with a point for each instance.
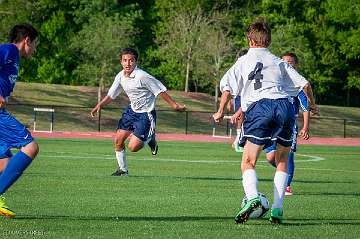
(120, 172)
(153, 146)
(288, 191)
(247, 209)
(4, 210)
(276, 216)
(238, 148)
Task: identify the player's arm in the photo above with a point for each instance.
(171, 102)
(106, 100)
(309, 94)
(223, 101)
(304, 132)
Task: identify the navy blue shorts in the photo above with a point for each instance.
(141, 124)
(237, 103)
(13, 134)
(272, 147)
(268, 121)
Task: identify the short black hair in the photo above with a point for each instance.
(291, 54)
(20, 31)
(130, 51)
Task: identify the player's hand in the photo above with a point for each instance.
(180, 108)
(304, 134)
(2, 102)
(238, 116)
(314, 109)
(217, 117)
(95, 110)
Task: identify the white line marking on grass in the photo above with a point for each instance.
(133, 157)
(136, 158)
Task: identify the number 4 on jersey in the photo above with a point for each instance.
(256, 75)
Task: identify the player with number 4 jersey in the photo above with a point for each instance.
(266, 85)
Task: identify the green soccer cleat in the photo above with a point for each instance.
(276, 216)
(4, 210)
(247, 209)
(239, 149)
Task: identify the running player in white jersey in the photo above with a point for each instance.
(228, 93)
(266, 84)
(139, 118)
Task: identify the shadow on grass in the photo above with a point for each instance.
(122, 218)
(320, 181)
(322, 221)
(351, 194)
(257, 222)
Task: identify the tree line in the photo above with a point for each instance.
(188, 44)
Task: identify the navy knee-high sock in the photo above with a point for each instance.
(15, 167)
(291, 168)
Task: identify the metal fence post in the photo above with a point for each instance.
(99, 120)
(186, 121)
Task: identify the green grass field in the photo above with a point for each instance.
(189, 190)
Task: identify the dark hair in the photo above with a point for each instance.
(293, 55)
(20, 31)
(260, 32)
(130, 51)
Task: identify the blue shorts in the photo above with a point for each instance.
(141, 124)
(268, 121)
(293, 144)
(237, 103)
(13, 134)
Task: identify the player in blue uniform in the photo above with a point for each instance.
(300, 101)
(13, 134)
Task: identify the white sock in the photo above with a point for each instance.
(280, 180)
(250, 183)
(238, 135)
(120, 156)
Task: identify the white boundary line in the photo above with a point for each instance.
(110, 156)
(154, 159)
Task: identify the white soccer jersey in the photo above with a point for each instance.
(258, 75)
(140, 87)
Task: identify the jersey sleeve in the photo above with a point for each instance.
(297, 79)
(231, 81)
(303, 101)
(115, 88)
(152, 84)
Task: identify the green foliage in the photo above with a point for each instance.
(188, 45)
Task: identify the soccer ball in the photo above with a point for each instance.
(260, 211)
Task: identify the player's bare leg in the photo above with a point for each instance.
(135, 144)
(3, 163)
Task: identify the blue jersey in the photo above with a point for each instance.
(9, 68)
(301, 101)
